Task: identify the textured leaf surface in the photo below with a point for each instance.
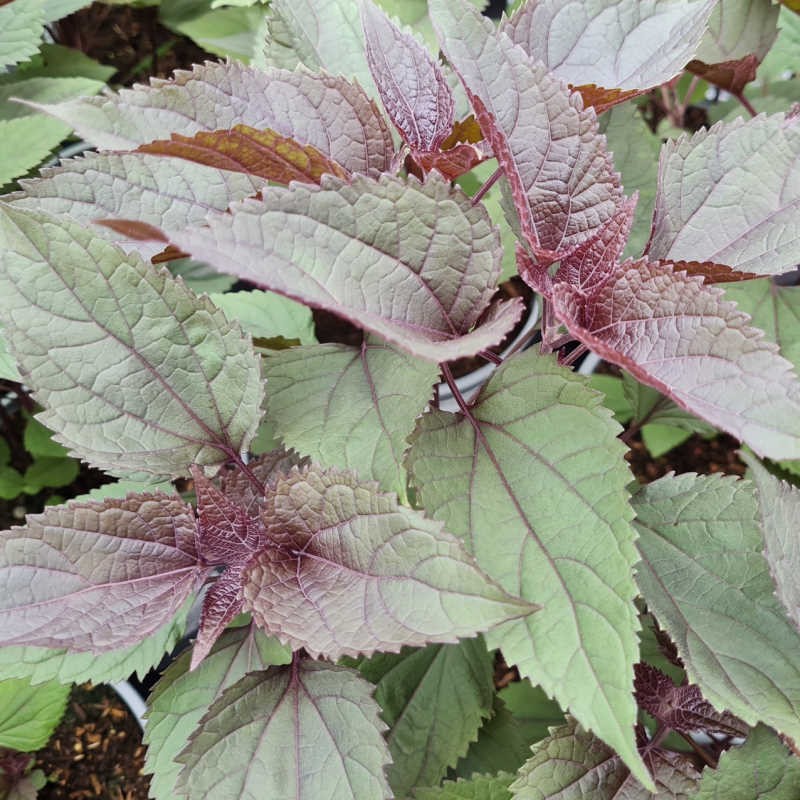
(29, 714)
(322, 34)
(22, 24)
(562, 179)
(699, 213)
(779, 511)
(130, 186)
(681, 337)
(479, 787)
(8, 364)
(135, 372)
(530, 506)
(624, 44)
(434, 701)
(242, 148)
(347, 570)
(571, 764)
(699, 537)
(412, 87)
(181, 698)
(97, 576)
(739, 28)
(761, 769)
(323, 111)
(307, 730)
(333, 247)
(349, 407)
(40, 664)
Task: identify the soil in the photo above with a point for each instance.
(96, 751)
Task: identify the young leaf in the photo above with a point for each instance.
(479, 787)
(324, 111)
(622, 44)
(348, 407)
(562, 179)
(761, 769)
(181, 697)
(698, 212)
(130, 186)
(532, 708)
(443, 276)
(411, 84)
(681, 337)
(571, 764)
(704, 578)
(22, 24)
(491, 477)
(434, 701)
(29, 714)
(347, 571)
(97, 576)
(38, 441)
(41, 664)
(139, 375)
(302, 731)
(242, 148)
(779, 510)
(227, 536)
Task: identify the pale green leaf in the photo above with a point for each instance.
(8, 364)
(349, 407)
(704, 578)
(779, 512)
(230, 32)
(699, 213)
(310, 730)
(200, 277)
(41, 136)
(760, 769)
(660, 439)
(434, 701)
(531, 505)
(21, 28)
(571, 764)
(532, 708)
(635, 150)
(615, 398)
(267, 315)
(41, 90)
(135, 372)
(479, 787)
(738, 28)
(181, 698)
(58, 61)
(29, 714)
(784, 56)
(40, 664)
(124, 488)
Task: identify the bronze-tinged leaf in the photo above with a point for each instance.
(732, 76)
(601, 99)
(465, 131)
(140, 231)
(714, 273)
(242, 148)
(451, 163)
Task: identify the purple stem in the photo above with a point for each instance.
(476, 198)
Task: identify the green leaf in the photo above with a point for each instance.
(199, 277)
(50, 472)
(29, 714)
(40, 664)
(8, 365)
(532, 708)
(350, 407)
(651, 653)
(123, 489)
(57, 61)
(761, 769)
(615, 396)
(134, 371)
(230, 32)
(479, 787)
(181, 698)
(267, 315)
(434, 701)
(528, 502)
(502, 745)
(12, 483)
(21, 27)
(38, 441)
(571, 764)
(305, 731)
(660, 439)
(41, 90)
(704, 578)
(782, 57)
(737, 28)
(635, 151)
(41, 136)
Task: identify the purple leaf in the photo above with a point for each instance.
(333, 246)
(347, 570)
(411, 84)
(562, 179)
(97, 576)
(329, 113)
(676, 334)
(681, 708)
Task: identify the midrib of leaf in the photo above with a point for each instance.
(212, 440)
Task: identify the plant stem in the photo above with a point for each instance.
(249, 474)
(476, 198)
(457, 396)
(747, 104)
(488, 355)
(701, 751)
